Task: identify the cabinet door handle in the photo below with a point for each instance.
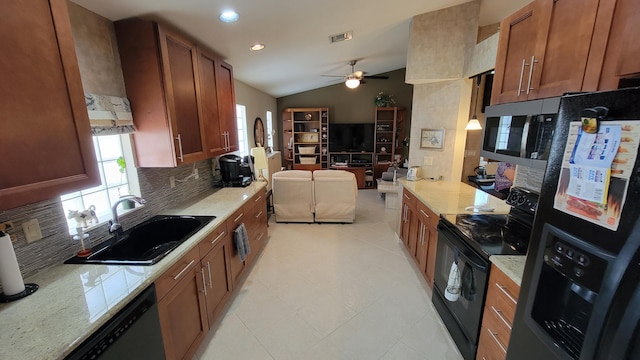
(425, 214)
(181, 156)
(260, 213)
(503, 289)
(183, 270)
(204, 282)
(495, 338)
(499, 314)
(209, 269)
(258, 199)
(260, 237)
(423, 232)
(405, 196)
(524, 63)
(533, 61)
(238, 218)
(218, 237)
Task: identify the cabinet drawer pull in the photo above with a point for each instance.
(181, 157)
(499, 314)
(405, 196)
(259, 214)
(183, 270)
(209, 269)
(524, 63)
(258, 199)
(238, 218)
(260, 237)
(533, 61)
(495, 338)
(218, 237)
(425, 214)
(204, 282)
(503, 289)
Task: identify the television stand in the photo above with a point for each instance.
(358, 163)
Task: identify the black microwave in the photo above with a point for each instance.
(520, 133)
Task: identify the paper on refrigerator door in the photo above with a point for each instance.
(590, 163)
(607, 213)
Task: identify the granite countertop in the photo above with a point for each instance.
(453, 197)
(511, 265)
(75, 300)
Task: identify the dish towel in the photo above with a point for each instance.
(452, 292)
(468, 290)
(241, 240)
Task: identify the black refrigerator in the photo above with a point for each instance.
(580, 293)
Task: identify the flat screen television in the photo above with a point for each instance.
(351, 137)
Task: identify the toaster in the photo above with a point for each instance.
(414, 173)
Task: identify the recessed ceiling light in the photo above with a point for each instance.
(257, 47)
(229, 16)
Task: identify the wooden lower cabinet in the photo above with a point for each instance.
(182, 310)
(216, 268)
(497, 320)
(194, 291)
(419, 233)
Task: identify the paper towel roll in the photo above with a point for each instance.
(10, 276)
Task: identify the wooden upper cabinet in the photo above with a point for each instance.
(545, 49)
(562, 48)
(161, 77)
(45, 135)
(515, 48)
(617, 44)
(208, 67)
(227, 106)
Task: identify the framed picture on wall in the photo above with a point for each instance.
(432, 139)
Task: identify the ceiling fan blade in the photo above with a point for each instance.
(376, 77)
(358, 74)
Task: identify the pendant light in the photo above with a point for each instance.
(473, 123)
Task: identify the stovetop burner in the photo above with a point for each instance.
(499, 234)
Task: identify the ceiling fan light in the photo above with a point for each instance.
(473, 124)
(352, 83)
(257, 47)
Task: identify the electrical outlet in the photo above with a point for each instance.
(195, 173)
(172, 181)
(31, 230)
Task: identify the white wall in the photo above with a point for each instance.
(257, 104)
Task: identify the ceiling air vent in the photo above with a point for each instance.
(341, 37)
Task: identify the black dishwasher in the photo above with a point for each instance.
(133, 333)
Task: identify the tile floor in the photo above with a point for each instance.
(333, 291)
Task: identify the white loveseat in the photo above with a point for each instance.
(321, 196)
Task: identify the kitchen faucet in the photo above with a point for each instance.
(114, 225)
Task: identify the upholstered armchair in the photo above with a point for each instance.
(335, 196)
(293, 196)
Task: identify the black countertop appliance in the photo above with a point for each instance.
(579, 296)
(235, 172)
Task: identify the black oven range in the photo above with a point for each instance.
(468, 240)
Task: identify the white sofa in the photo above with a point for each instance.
(336, 192)
(293, 196)
(321, 196)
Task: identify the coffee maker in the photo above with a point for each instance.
(234, 171)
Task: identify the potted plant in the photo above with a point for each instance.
(122, 167)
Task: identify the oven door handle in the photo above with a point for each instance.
(463, 249)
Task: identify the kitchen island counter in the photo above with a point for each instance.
(75, 300)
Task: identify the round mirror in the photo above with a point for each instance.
(258, 132)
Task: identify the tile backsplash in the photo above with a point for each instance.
(57, 245)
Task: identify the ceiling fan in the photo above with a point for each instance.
(356, 78)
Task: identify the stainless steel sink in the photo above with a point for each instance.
(146, 243)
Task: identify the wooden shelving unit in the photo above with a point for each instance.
(306, 138)
(389, 134)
